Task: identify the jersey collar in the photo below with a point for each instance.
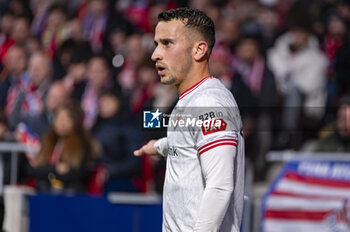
(188, 91)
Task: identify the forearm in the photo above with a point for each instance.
(217, 167)
(214, 205)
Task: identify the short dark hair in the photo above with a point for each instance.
(195, 19)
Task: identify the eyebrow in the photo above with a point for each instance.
(165, 40)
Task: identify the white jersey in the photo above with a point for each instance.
(184, 182)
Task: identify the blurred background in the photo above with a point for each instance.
(75, 77)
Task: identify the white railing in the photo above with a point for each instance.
(15, 149)
(285, 156)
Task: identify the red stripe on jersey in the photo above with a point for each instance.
(217, 141)
(216, 144)
(194, 87)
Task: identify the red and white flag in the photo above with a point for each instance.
(309, 197)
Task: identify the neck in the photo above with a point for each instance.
(193, 77)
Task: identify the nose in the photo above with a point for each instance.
(156, 55)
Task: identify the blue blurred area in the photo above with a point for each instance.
(57, 213)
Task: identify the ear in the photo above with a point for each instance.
(200, 50)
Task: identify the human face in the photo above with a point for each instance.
(56, 96)
(300, 38)
(247, 50)
(63, 122)
(97, 72)
(39, 69)
(21, 30)
(77, 71)
(173, 52)
(16, 61)
(109, 106)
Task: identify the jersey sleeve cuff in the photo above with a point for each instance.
(161, 146)
(220, 142)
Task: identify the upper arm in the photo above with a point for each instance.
(218, 167)
(217, 142)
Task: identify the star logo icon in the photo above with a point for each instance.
(151, 118)
(155, 115)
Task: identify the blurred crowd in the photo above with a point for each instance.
(76, 75)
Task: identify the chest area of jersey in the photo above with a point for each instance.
(181, 145)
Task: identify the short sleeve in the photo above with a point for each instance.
(221, 121)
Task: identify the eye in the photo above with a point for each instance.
(166, 42)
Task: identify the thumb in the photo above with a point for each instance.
(138, 152)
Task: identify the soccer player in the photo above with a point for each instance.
(203, 188)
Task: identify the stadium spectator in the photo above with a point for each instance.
(75, 45)
(116, 130)
(32, 45)
(40, 13)
(254, 89)
(66, 155)
(117, 42)
(147, 81)
(341, 68)
(269, 28)
(98, 80)
(75, 32)
(30, 101)
(18, 34)
(21, 30)
(6, 25)
(54, 32)
(339, 139)
(16, 80)
(20, 8)
(220, 64)
(75, 80)
(153, 12)
(57, 96)
(334, 38)
(95, 23)
(64, 54)
(135, 55)
(300, 70)
(228, 33)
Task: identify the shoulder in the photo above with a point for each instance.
(212, 93)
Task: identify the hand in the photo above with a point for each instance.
(62, 168)
(147, 149)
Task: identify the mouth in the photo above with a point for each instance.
(161, 69)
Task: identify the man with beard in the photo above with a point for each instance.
(204, 179)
